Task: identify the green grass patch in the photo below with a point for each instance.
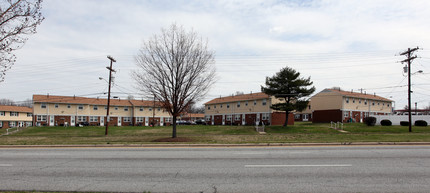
(301, 132)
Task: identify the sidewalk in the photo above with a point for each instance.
(172, 145)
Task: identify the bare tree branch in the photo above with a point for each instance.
(17, 18)
(177, 68)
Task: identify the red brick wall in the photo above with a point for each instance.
(325, 116)
(217, 119)
(278, 118)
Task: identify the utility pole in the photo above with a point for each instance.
(409, 59)
(108, 101)
(153, 113)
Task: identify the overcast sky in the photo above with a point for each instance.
(349, 44)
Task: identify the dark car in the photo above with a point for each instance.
(83, 124)
(200, 122)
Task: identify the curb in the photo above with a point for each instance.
(219, 145)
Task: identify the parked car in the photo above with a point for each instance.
(82, 124)
(183, 122)
(200, 122)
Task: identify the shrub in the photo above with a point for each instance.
(421, 123)
(386, 122)
(370, 121)
(404, 123)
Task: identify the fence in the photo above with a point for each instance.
(395, 119)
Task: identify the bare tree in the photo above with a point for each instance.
(176, 68)
(8, 102)
(27, 103)
(17, 19)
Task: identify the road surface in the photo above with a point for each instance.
(260, 169)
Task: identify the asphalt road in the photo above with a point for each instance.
(271, 169)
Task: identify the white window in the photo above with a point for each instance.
(228, 106)
(297, 116)
(359, 101)
(365, 102)
(345, 114)
(116, 108)
(246, 103)
(14, 114)
(159, 109)
(208, 118)
(12, 124)
(238, 104)
(80, 107)
(29, 115)
(43, 105)
(125, 108)
(255, 102)
(41, 117)
(94, 119)
(265, 116)
(167, 120)
(68, 106)
(214, 106)
(127, 119)
(56, 106)
(139, 119)
(105, 107)
(237, 117)
(228, 117)
(209, 107)
(220, 106)
(347, 100)
(150, 109)
(95, 107)
(353, 100)
(141, 109)
(388, 105)
(264, 102)
(1, 113)
(373, 103)
(82, 118)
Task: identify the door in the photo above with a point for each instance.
(51, 120)
(102, 121)
(305, 117)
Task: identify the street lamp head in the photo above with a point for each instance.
(100, 78)
(420, 71)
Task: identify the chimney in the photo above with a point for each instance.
(374, 94)
(47, 95)
(74, 96)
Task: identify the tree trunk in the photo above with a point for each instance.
(174, 127)
(286, 118)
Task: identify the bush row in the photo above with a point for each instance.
(371, 121)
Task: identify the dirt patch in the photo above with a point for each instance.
(177, 139)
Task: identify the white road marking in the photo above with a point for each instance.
(266, 153)
(279, 166)
(5, 165)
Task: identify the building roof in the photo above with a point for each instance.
(201, 115)
(244, 97)
(15, 109)
(357, 95)
(91, 101)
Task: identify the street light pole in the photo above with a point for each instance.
(108, 101)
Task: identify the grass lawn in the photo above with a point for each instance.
(301, 132)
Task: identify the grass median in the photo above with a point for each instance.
(301, 132)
